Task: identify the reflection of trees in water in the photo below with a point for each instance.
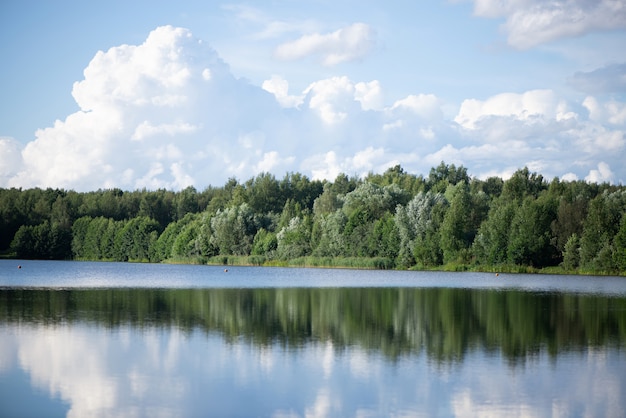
(446, 323)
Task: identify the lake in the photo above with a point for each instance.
(82, 339)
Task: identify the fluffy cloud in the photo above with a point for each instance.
(346, 44)
(168, 113)
(526, 106)
(533, 22)
(602, 174)
(279, 87)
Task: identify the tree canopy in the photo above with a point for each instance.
(397, 219)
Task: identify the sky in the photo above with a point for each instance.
(168, 95)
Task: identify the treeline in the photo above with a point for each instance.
(389, 220)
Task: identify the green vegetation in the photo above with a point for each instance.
(444, 323)
(446, 220)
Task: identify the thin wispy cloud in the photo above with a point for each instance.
(529, 23)
(610, 79)
(350, 43)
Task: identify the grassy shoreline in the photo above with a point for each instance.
(361, 263)
(387, 264)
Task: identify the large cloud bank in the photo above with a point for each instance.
(169, 113)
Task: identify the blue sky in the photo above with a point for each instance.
(164, 94)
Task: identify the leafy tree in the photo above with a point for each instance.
(619, 246)
(356, 232)
(457, 232)
(600, 226)
(294, 240)
(570, 215)
(233, 230)
(163, 248)
(186, 243)
(443, 175)
(418, 228)
(384, 240)
(571, 252)
(135, 239)
(523, 183)
(492, 241)
(265, 243)
(263, 194)
(79, 235)
(331, 237)
(529, 237)
(327, 202)
(396, 175)
(300, 189)
(23, 243)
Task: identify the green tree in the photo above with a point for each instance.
(163, 248)
(294, 240)
(263, 194)
(265, 243)
(457, 231)
(79, 235)
(331, 238)
(492, 241)
(600, 226)
(384, 240)
(523, 183)
(418, 225)
(619, 246)
(233, 230)
(443, 175)
(529, 237)
(571, 252)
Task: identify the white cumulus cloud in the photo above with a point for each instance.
(168, 113)
(525, 106)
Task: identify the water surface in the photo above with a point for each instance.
(117, 339)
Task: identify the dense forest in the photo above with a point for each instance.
(390, 220)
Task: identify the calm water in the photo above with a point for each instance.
(109, 339)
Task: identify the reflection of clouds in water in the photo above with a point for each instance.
(8, 350)
(586, 384)
(266, 360)
(68, 362)
(361, 365)
(322, 405)
(166, 372)
(328, 359)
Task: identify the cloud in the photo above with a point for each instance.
(533, 22)
(279, 87)
(526, 106)
(612, 111)
(602, 174)
(161, 114)
(268, 27)
(168, 113)
(11, 158)
(610, 79)
(351, 43)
